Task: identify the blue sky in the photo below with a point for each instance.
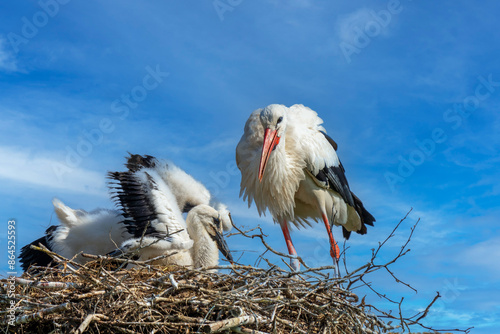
(410, 90)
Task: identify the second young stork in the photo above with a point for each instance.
(289, 166)
(188, 192)
(154, 218)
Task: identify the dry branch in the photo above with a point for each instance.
(149, 299)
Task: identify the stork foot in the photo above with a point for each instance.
(335, 253)
(334, 247)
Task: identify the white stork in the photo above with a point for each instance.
(187, 191)
(289, 166)
(163, 191)
(204, 227)
(154, 218)
(95, 232)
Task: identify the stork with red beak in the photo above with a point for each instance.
(290, 167)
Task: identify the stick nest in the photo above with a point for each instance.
(151, 299)
(94, 298)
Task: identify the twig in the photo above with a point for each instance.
(86, 322)
(222, 325)
(40, 314)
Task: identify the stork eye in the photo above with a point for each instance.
(279, 120)
(217, 221)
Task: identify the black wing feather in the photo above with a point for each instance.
(334, 178)
(337, 181)
(30, 257)
(132, 199)
(366, 217)
(136, 162)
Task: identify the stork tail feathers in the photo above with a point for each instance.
(364, 215)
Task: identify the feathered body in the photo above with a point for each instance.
(188, 191)
(290, 167)
(96, 232)
(277, 190)
(151, 196)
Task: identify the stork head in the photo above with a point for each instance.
(203, 220)
(273, 119)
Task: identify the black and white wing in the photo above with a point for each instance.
(320, 155)
(149, 208)
(31, 257)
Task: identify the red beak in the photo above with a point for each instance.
(271, 139)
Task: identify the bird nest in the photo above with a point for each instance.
(98, 298)
(149, 299)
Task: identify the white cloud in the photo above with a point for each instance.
(40, 170)
(484, 255)
(7, 60)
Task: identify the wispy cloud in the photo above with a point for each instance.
(40, 170)
(484, 256)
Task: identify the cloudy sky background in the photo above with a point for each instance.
(410, 90)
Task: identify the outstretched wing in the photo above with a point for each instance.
(136, 162)
(147, 203)
(187, 191)
(132, 198)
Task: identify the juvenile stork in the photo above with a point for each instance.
(188, 192)
(154, 219)
(289, 166)
(95, 232)
(156, 188)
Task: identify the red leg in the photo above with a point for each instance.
(291, 250)
(334, 248)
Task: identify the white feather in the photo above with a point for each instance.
(95, 232)
(287, 189)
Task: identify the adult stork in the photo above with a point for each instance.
(289, 166)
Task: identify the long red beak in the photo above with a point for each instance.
(270, 141)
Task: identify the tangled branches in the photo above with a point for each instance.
(92, 298)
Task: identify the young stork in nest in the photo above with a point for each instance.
(154, 218)
(95, 232)
(188, 192)
(289, 165)
(101, 231)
